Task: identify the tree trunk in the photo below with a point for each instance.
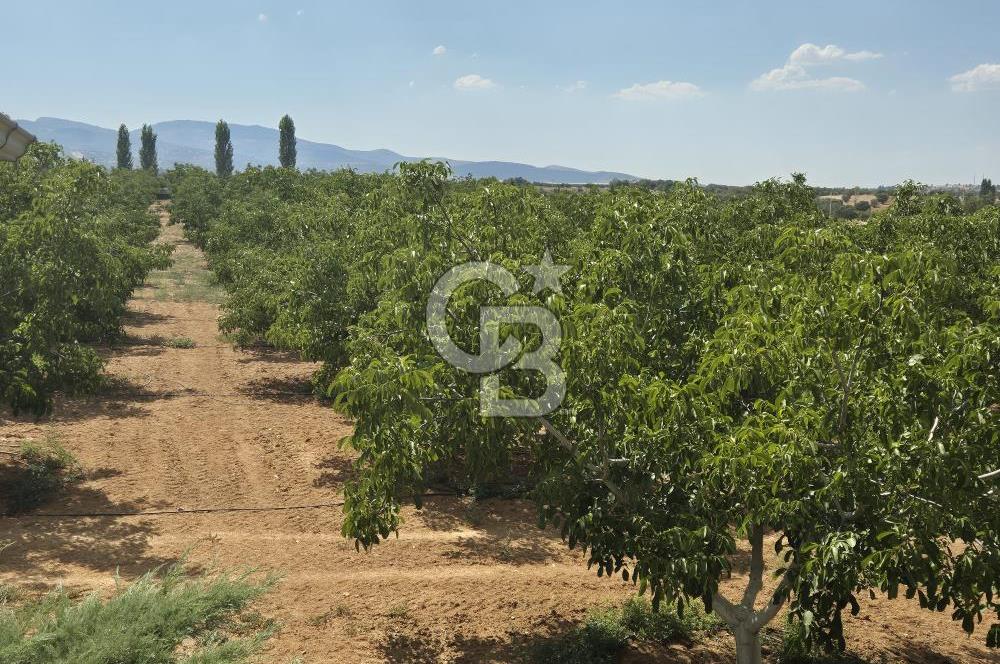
(746, 623)
(748, 648)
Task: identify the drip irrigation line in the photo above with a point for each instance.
(189, 392)
(181, 511)
(126, 319)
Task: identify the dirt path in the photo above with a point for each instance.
(210, 426)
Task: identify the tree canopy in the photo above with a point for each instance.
(147, 150)
(74, 243)
(124, 149)
(740, 371)
(223, 150)
(286, 148)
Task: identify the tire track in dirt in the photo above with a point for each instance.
(211, 426)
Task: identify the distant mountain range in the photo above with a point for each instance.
(193, 142)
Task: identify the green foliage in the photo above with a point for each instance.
(74, 243)
(987, 189)
(147, 150)
(163, 617)
(595, 642)
(124, 149)
(223, 150)
(731, 367)
(796, 648)
(180, 342)
(286, 142)
(606, 631)
(197, 197)
(660, 625)
(41, 470)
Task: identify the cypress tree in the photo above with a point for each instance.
(147, 151)
(124, 149)
(286, 148)
(223, 150)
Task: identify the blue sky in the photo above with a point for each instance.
(731, 92)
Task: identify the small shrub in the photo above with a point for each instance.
(663, 625)
(40, 471)
(8, 593)
(181, 342)
(606, 631)
(339, 611)
(164, 617)
(598, 641)
(398, 612)
(795, 649)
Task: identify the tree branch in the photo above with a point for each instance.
(930, 436)
(457, 235)
(726, 609)
(756, 581)
(990, 475)
(778, 599)
(600, 471)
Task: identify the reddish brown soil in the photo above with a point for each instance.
(216, 427)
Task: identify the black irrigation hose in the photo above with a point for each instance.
(179, 511)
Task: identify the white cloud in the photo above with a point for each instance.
(439, 50)
(262, 18)
(795, 73)
(300, 12)
(473, 82)
(811, 54)
(795, 77)
(573, 87)
(660, 90)
(412, 83)
(980, 77)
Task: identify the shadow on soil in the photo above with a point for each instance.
(117, 398)
(412, 645)
(262, 353)
(279, 390)
(143, 318)
(42, 546)
(507, 531)
(334, 472)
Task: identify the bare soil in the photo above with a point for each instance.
(210, 426)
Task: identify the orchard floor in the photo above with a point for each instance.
(210, 426)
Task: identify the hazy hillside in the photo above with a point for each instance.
(191, 141)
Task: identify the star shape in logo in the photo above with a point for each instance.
(546, 274)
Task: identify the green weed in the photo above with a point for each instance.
(42, 469)
(164, 617)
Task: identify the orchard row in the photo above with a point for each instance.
(733, 370)
(74, 244)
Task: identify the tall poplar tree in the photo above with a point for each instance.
(286, 147)
(147, 151)
(124, 149)
(223, 150)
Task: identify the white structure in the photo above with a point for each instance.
(13, 139)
